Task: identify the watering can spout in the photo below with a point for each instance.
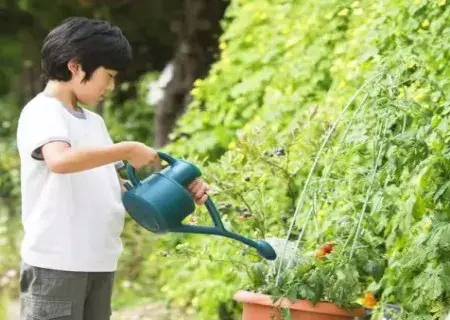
(263, 248)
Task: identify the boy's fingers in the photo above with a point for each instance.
(200, 191)
(202, 200)
(198, 185)
(193, 184)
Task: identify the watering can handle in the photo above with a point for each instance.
(264, 248)
(166, 157)
(131, 171)
(215, 216)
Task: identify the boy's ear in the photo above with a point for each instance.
(74, 67)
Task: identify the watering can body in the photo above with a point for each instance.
(161, 202)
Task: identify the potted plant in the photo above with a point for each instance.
(330, 263)
(325, 283)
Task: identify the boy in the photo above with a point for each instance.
(71, 194)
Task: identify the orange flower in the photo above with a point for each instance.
(369, 300)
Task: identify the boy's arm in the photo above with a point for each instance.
(61, 158)
(43, 134)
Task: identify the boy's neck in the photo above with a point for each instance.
(61, 91)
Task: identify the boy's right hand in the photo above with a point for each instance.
(140, 155)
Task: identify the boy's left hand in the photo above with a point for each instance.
(198, 189)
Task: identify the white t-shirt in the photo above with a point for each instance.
(71, 221)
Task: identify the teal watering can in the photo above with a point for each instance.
(160, 203)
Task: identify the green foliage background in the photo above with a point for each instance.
(287, 72)
(333, 112)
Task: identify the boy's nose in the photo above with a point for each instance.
(111, 85)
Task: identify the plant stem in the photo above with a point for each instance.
(369, 192)
(308, 179)
(327, 170)
(263, 213)
(354, 229)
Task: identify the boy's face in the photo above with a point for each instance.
(90, 92)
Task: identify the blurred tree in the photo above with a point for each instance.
(184, 31)
(24, 24)
(198, 34)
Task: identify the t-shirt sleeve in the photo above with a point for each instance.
(39, 125)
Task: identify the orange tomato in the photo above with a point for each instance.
(328, 247)
(320, 253)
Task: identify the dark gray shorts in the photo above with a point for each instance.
(64, 295)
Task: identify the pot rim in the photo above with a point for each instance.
(304, 305)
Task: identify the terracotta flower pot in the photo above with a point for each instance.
(260, 307)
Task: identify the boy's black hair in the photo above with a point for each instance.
(93, 43)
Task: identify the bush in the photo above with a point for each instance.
(322, 121)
